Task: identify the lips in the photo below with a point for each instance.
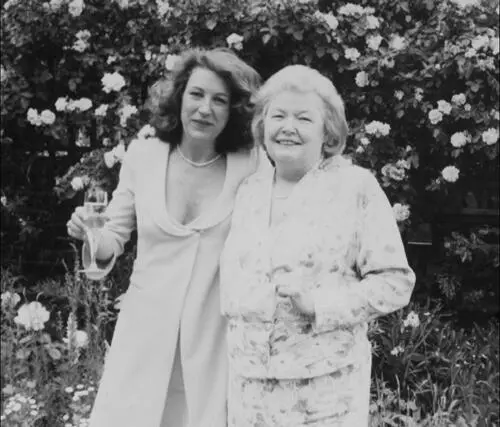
(287, 142)
(202, 122)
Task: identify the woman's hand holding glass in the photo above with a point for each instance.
(87, 221)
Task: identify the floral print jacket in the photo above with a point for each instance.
(340, 242)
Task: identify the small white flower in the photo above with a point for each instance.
(372, 22)
(47, 117)
(490, 136)
(122, 4)
(32, 316)
(171, 61)
(125, 113)
(419, 94)
(360, 150)
(373, 42)
(112, 82)
(61, 104)
(450, 173)
(397, 42)
(77, 183)
(83, 35)
(101, 110)
(459, 139)
(399, 95)
(80, 339)
(467, 107)
(435, 116)
(362, 79)
(401, 212)
(235, 41)
(459, 99)
(148, 55)
(412, 320)
(55, 5)
(109, 159)
(75, 8)
(163, 8)
(80, 46)
(365, 141)
(378, 128)
(69, 389)
(352, 53)
(3, 200)
(396, 351)
(466, 3)
(111, 59)
(331, 21)
(10, 299)
(444, 107)
(146, 131)
(351, 9)
(33, 117)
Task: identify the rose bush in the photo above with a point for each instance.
(420, 82)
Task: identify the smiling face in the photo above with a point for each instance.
(205, 106)
(294, 129)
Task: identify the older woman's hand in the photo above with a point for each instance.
(301, 300)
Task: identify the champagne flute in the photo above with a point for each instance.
(95, 203)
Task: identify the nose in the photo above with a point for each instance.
(288, 125)
(204, 107)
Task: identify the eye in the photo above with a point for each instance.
(196, 94)
(222, 101)
(277, 115)
(305, 119)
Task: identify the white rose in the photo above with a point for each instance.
(396, 351)
(362, 79)
(397, 42)
(171, 61)
(55, 5)
(450, 173)
(125, 112)
(412, 320)
(148, 55)
(444, 107)
(111, 59)
(331, 21)
(235, 41)
(365, 141)
(467, 107)
(83, 34)
(163, 8)
(360, 150)
(459, 99)
(3, 201)
(372, 22)
(351, 9)
(458, 139)
(48, 117)
(77, 183)
(373, 42)
(112, 82)
(352, 53)
(101, 110)
(80, 339)
(75, 8)
(490, 136)
(83, 104)
(61, 104)
(109, 159)
(33, 117)
(435, 116)
(122, 4)
(32, 316)
(146, 131)
(399, 95)
(401, 212)
(80, 46)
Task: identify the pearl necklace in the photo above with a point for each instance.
(198, 164)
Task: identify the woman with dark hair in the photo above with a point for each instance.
(167, 365)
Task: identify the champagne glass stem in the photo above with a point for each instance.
(92, 248)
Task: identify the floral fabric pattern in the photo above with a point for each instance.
(340, 242)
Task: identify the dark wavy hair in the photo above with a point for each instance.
(165, 97)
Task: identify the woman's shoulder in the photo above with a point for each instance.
(357, 177)
(145, 145)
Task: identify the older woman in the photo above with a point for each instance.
(314, 253)
(167, 364)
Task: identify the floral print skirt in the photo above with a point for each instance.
(337, 399)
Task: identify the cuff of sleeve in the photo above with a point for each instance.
(106, 266)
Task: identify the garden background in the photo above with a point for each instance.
(420, 82)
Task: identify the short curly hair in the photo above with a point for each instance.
(165, 97)
(302, 79)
